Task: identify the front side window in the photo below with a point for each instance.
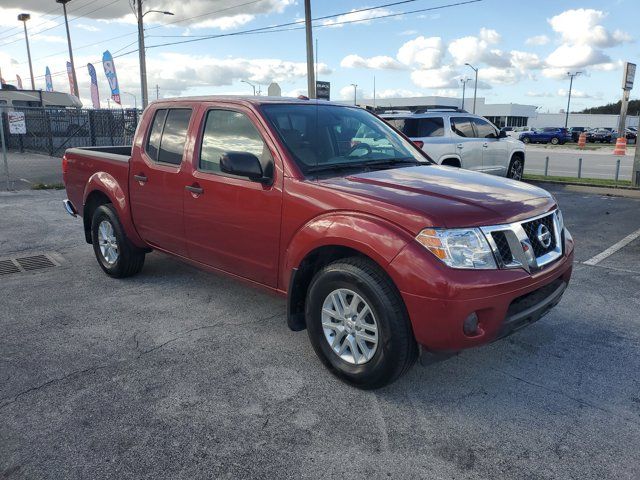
(229, 131)
(174, 136)
(484, 129)
(461, 126)
(322, 137)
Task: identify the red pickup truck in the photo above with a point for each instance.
(378, 250)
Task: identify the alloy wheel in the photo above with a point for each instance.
(107, 242)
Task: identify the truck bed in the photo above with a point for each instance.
(100, 164)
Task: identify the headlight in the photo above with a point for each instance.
(560, 220)
(459, 247)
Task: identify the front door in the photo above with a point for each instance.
(467, 146)
(156, 184)
(231, 222)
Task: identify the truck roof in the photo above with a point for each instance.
(250, 99)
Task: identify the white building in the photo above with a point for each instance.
(501, 114)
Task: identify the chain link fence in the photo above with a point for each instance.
(51, 131)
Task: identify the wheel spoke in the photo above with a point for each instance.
(333, 314)
(354, 349)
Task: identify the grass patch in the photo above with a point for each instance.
(596, 182)
(47, 186)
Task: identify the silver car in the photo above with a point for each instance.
(461, 139)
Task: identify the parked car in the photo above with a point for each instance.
(575, 133)
(461, 139)
(631, 133)
(377, 249)
(600, 135)
(554, 136)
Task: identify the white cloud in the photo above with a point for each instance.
(539, 94)
(524, 61)
(582, 27)
(225, 23)
(380, 62)
(537, 40)
(443, 77)
(579, 94)
(361, 18)
(427, 52)
(88, 28)
(490, 36)
(478, 49)
(576, 56)
(504, 76)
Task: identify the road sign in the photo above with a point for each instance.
(17, 124)
(629, 74)
(323, 90)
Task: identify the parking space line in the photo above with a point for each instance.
(613, 248)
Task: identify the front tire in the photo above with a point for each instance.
(358, 325)
(516, 168)
(116, 255)
(555, 141)
(526, 140)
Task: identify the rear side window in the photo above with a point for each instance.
(461, 126)
(408, 126)
(174, 136)
(229, 131)
(431, 127)
(484, 128)
(153, 142)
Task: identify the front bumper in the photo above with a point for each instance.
(503, 300)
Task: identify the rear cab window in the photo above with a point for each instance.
(168, 135)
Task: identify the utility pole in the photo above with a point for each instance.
(464, 86)
(73, 66)
(142, 56)
(23, 17)
(571, 76)
(311, 81)
(475, 86)
(355, 89)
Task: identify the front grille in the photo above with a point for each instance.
(503, 247)
(531, 229)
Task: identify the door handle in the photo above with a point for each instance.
(141, 178)
(459, 145)
(195, 189)
(485, 145)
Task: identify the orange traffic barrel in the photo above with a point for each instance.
(621, 146)
(582, 140)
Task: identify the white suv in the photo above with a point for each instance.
(461, 139)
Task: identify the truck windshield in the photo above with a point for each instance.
(329, 137)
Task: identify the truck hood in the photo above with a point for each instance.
(446, 196)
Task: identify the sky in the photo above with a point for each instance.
(523, 50)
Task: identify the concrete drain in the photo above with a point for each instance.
(28, 263)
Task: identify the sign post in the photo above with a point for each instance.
(627, 85)
(3, 142)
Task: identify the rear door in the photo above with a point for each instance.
(231, 222)
(156, 186)
(468, 147)
(494, 150)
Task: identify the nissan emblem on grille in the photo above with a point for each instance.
(543, 235)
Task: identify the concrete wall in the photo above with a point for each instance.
(579, 120)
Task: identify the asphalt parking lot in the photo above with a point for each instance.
(179, 373)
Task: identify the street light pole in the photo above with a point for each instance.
(571, 76)
(251, 85)
(355, 88)
(135, 100)
(23, 17)
(464, 85)
(311, 80)
(73, 66)
(141, 50)
(475, 86)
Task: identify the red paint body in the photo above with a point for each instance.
(260, 233)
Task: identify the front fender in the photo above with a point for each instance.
(372, 236)
(109, 186)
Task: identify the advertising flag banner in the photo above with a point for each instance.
(110, 72)
(95, 97)
(19, 80)
(70, 75)
(47, 78)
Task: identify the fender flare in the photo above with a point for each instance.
(109, 186)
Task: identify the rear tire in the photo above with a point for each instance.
(555, 141)
(116, 255)
(526, 140)
(395, 349)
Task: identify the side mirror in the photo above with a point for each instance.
(242, 164)
(502, 134)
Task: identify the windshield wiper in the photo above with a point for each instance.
(370, 164)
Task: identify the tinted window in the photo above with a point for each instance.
(174, 136)
(408, 126)
(462, 127)
(484, 128)
(153, 142)
(227, 131)
(431, 127)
